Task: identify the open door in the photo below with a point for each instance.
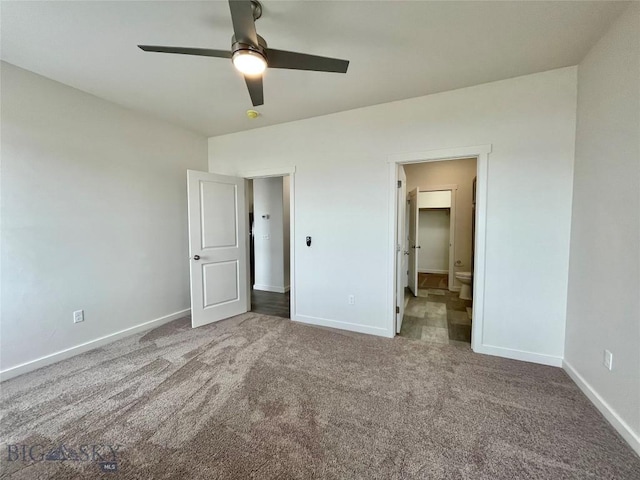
(413, 241)
(401, 251)
(217, 247)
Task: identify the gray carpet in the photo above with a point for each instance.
(262, 397)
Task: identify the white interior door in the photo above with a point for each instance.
(401, 251)
(218, 247)
(413, 241)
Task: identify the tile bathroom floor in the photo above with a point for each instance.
(437, 315)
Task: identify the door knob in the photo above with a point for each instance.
(196, 257)
(415, 246)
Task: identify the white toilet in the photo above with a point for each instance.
(466, 279)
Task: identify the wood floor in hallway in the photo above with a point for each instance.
(270, 303)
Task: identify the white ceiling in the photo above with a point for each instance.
(397, 49)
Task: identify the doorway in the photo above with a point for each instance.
(435, 311)
(431, 225)
(268, 200)
(435, 242)
(219, 245)
(429, 308)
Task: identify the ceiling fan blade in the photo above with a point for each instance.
(302, 61)
(254, 84)
(204, 52)
(244, 27)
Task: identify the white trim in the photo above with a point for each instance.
(268, 172)
(281, 172)
(452, 239)
(90, 345)
(522, 355)
(624, 429)
(480, 251)
(481, 152)
(292, 242)
(432, 270)
(455, 288)
(270, 288)
(442, 154)
(352, 327)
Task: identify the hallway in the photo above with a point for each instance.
(270, 303)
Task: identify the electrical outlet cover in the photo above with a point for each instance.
(608, 359)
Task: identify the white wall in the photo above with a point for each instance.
(433, 238)
(341, 198)
(604, 277)
(268, 198)
(94, 217)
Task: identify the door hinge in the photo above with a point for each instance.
(399, 183)
(397, 309)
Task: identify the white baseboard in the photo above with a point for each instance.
(455, 289)
(270, 288)
(520, 355)
(352, 327)
(90, 345)
(625, 431)
(432, 270)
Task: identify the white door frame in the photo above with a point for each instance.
(280, 172)
(400, 247)
(414, 216)
(452, 227)
(481, 153)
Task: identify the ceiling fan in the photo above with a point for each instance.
(250, 54)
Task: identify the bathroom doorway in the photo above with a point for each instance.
(440, 230)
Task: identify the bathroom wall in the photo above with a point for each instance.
(433, 238)
(456, 172)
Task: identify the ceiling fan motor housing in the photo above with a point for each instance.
(256, 9)
(240, 46)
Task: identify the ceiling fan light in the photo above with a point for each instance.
(249, 62)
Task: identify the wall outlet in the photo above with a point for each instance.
(608, 359)
(265, 237)
(352, 299)
(78, 316)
